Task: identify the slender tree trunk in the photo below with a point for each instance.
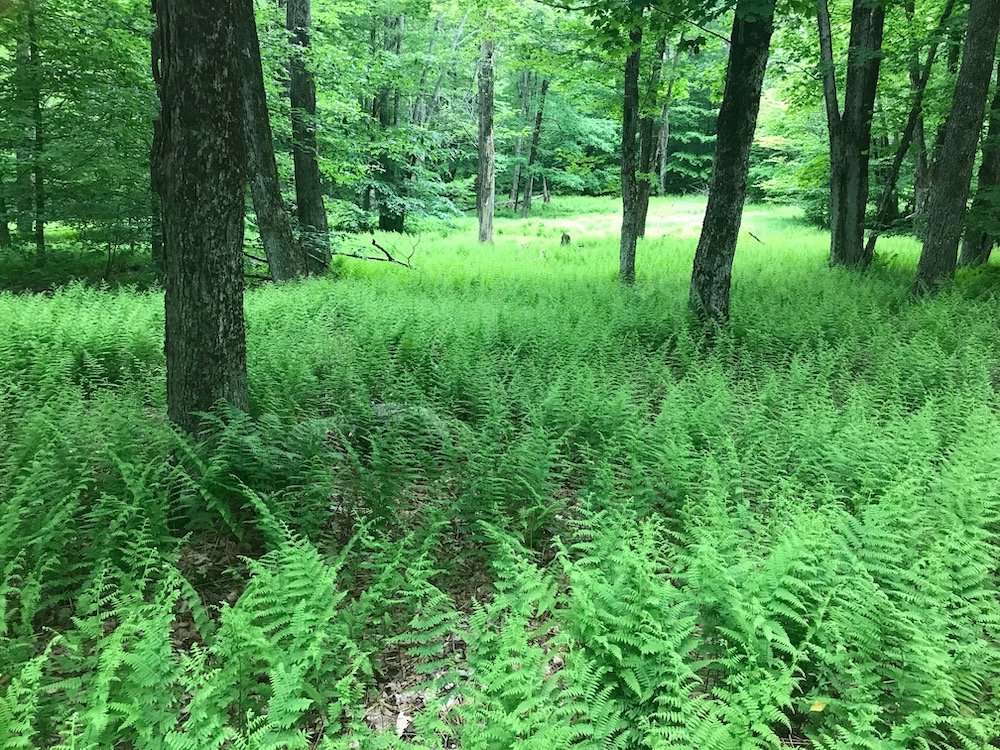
(25, 84)
(913, 122)
(980, 236)
(647, 145)
(285, 257)
(631, 219)
(391, 214)
(155, 211)
(536, 135)
(486, 181)
(38, 144)
(850, 132)
(952, 177)
(308, 180)
(524, 89)
(5, 240)
(201, 178)
(713, 262)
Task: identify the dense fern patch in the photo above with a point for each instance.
(500, 503)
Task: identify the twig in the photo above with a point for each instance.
(254, 257)
(389, 259)
(756, 237)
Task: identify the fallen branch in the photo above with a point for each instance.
(387, 259)
(756, 237)
(254, 257)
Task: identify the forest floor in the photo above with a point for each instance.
(499, 502)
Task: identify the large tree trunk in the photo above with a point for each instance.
(201, 177)
(486, 179)
(536, 134)
(981, 232)
(918, 82)
(850, 132)
(647, 145)
(713, 260)
(391, 214)
(285, 257)
(631, 220)
(308, 181)
(953, 175)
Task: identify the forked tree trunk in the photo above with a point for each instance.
(201, 178)
(980, 236)
(314, 233)
(631, 220)
(953, 175)
(647, 144)
(850, 132)
(285, 257)
(486, 179)
(536, 135)
(713, 262)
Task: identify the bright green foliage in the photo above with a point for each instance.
(501, 503)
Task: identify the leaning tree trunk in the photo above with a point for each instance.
(536, 134)
(486, 179)
(850, 132)
(308, 181)
(201, 177)
(952, 176)
(647, 143)
(977, 244)
(713, 260)
(285, 257)
(631, 219)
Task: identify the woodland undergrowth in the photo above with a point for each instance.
(498, 502)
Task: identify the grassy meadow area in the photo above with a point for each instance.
(500, 502)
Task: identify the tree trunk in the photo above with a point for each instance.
(536, 135)
(921, 169)
(647, 146)
(391, 214)
(38, 143)
(918, 82)
(313, 230)
(24, 86)
(201, 176)
(713, 262)
(285, 257)
(952, 176)
(155, 211)
(631, 219)
(524, 89)
(850, 132)
(486, 181)
(981, 232)
(5, 240)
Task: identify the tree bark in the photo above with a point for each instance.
(952, 176)
(980, 236)
(5, 239)
(647, 145)
(486, 180)
(524, 89)
(918, 82)
(713, 262)
(285, 257)
(536, 135)
(155, 210)
(631, 219)
(313, 229)
(850, 132)
(201, 177)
